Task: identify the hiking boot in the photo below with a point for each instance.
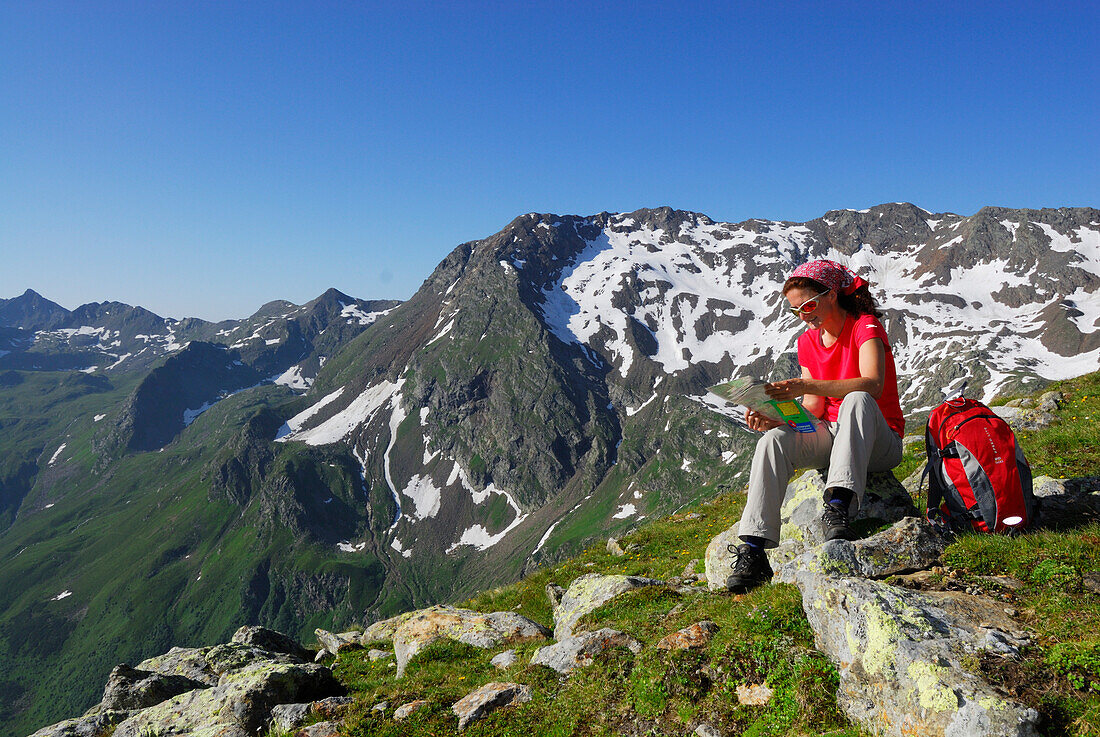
(835, 521)
(750, 570)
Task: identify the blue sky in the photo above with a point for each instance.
(202, 158)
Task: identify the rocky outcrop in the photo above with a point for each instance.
(900, 653)
(231, 690)
(900, 660)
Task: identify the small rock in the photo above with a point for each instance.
(1091, 581)
(332, 708)
(613, 548)
(290, 716)
(405, 711)
(505, 659)
(487, 699)
(689, 569)
(381, 706)
(754, 694)
(378, 654)
(1050, 401)
(321, 655)
(719, 558)
(1010, 611)
(338, 643)
(705, 730)
(694, 637)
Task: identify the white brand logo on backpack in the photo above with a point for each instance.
(993, 445)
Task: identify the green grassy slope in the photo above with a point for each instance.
(119, 565)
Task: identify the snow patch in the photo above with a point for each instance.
(426, 496)
(292, 425)
(56, 453)
(626, 510)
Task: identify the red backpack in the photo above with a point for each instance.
(977, 471)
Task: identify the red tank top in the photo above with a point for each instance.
(841, 361)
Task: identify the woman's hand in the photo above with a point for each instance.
(759, 422)
(786, 389)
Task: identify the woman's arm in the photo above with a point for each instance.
(814, 403)
(872, 369)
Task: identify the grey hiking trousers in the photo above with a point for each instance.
(859, 442)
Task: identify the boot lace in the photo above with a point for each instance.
(834, 516)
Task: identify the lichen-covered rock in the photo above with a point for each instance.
(578, 651)
(272, 641)
(899, 657)
(384, 631)
(487, 699)
(472, 628)
(885, 500)
(590, 592)
(696, 636)
(719, 558)
(233, 656)
(375, 654)
(90, 725)
(131, 689)
(338, 643)
(909, 545)
(405, 711)
(240, 704)
(189, 662)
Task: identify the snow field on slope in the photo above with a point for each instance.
(582, 300)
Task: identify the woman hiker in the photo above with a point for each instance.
(848, 382)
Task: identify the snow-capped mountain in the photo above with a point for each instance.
(112, 337)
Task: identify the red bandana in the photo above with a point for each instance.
(831, 274)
